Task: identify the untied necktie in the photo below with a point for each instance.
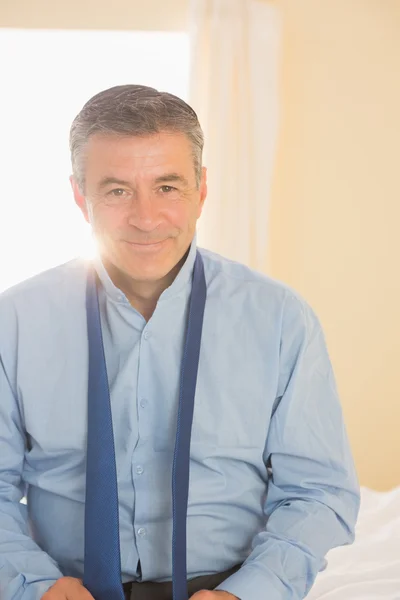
(102, 566)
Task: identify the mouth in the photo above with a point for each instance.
(146, 246)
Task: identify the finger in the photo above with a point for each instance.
(54, 593)
(80, 593)
(68, 588)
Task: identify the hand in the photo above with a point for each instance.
(67, 588)
(213, 595)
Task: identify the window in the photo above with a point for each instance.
(46, 79)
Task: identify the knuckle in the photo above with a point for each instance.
(60, 584)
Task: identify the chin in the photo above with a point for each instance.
(146, 266)
(146, 272)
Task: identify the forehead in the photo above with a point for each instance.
(142, 155)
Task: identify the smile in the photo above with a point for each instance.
(147, 247)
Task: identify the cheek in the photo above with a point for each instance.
(181, 214)
(106, 220)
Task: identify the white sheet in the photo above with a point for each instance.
(369, 569)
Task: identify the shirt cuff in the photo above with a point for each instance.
(251, 582)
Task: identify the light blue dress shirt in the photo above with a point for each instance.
(267, 419)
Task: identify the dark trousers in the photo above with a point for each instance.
(151, 590)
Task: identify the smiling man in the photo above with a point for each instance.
(143, 198)
(122, 377)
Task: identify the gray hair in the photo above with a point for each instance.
(135, 110)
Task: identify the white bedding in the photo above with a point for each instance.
(369, 569)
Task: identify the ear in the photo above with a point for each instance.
(79, 198)
(202, 190)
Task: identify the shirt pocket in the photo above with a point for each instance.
(229, 420)
(220, 420)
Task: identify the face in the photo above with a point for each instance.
(142, 201)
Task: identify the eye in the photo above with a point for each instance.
(117, 192)
(166, 189)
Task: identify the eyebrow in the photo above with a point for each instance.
(166, 177)
(170, 177)
(112, 180)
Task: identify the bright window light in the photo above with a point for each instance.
(46, 78)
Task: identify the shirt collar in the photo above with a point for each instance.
(179, 283)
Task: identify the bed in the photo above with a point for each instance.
(369, 569)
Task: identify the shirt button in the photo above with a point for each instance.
(143, 402)
(139, 469)
(147, 335)
(141, 531)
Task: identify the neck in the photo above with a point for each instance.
(142, 295)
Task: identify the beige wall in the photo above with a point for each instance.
(335, 220)
(156, 15)
(336, 197)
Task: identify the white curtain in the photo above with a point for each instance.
(234, 90)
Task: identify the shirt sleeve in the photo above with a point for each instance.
(313, 495)
(26, 572)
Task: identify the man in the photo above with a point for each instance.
(272, 481)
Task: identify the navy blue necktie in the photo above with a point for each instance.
(102, 568)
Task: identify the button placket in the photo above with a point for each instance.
(139, 456)
(143, 388)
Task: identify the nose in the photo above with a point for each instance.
(143, 213)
